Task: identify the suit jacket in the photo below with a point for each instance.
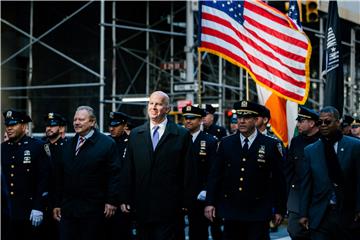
(158, 183)
(247, 188)
(87, 181)
(26, 168)
(316, 187)
(293, 168)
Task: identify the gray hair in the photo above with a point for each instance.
(166, 97)
(90, 111)
(332, 110)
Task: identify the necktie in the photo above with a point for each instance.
(246, 145)
(155, 138)
(81, 142)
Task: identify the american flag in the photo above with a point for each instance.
(260, 39)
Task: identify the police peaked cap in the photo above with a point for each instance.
(209, 109)
(54, 119)
(117, 118)
(247, 108)
(306, 113)
(265, 112)
(347, 120)
(13, 117)
(193, 112)
(356, 122)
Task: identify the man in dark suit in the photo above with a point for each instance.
(204, 150)
(355, 128)
(159, 171)
(209, 123)
(87, 179)
(330, 193)
(308, 134)
(25, 168)
(246, 185)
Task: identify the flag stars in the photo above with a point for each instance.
(333, 49)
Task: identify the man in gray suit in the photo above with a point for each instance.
(330, 190)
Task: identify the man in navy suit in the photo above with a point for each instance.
(246, 186)
(159, 173)
(330, 190)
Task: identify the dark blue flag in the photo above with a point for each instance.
(334, 85)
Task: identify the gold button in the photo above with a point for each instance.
(12, 166)
(240, 189)
(11, 184)
(244, 159)
(241, 179)
(11, 175)
(11, 193)
(242, 169)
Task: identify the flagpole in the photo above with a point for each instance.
(199, 79)
(247, 86)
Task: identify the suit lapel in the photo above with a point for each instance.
(169, 130)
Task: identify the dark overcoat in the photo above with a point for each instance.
(85, 182)
(158, 183)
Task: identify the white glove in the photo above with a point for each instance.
(36, 217)
(202, 196)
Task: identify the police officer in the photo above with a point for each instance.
(355, 128)
(120, 224)
(346, 124)
(209, 123)
(55, 125)
(246, 184)
(204, 149)
(25, 166)
(308, 134)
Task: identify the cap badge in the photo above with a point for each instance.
(188, 108)
(9, 114)
(51, 115)
(111, 115)
(244, 104)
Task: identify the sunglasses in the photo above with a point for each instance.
(326, 122)
(355, 126)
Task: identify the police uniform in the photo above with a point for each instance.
(355, 124)
(119, 226)
(204, 150)
(293, 171)
(215, 130)
(25, 166)
(247, 186)
(54, 151)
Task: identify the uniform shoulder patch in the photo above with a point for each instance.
(47, 149)
(280, 148)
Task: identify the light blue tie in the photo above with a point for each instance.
(155, 138)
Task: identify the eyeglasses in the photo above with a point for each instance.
(355, 126)
(326, 122)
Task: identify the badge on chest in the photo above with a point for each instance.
(27, 157)
(202, 148)
(261, 154)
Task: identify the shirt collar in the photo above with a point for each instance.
(161, 125)
(87, 136)
(251, 137)
(195, 134)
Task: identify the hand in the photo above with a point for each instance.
(109, 210)
(125, 208)
(36, 217)
(277, 219)
(201, 196)
(304, 222)
(210, 212)
(57, 214)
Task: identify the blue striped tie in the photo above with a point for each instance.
(155, 138)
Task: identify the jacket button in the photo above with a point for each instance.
(229, 165)
(242, 169)
(241, 179)
(225, 195)
(240, 189)
(11, 175)
(293, 186)
(244, 159)
(11, 193)
(12, 166)
(11, 184)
